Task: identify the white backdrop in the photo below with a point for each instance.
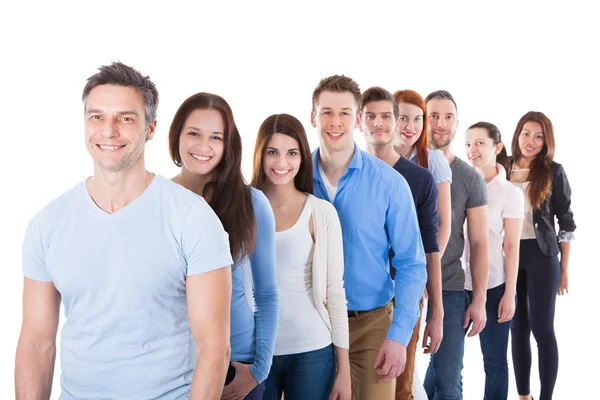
(498, 61)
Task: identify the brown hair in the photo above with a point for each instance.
(414, 98)
(540, 173)
(120, 74)
(227, 193)
(338, 84)
(377, 93)
(494, 133)
(292, 127)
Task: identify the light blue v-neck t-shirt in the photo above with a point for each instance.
(122, 281)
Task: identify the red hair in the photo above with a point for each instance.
(414, 98)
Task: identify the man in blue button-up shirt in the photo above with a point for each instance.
(376, 210)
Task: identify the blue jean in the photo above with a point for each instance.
(443, 380)
(255, 394)
(302, 376)
(494, 347)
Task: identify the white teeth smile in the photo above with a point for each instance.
(281, 172)
(335, 134)
(201, 158)
(109, 148)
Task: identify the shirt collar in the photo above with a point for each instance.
(355, 163)
(501, 177)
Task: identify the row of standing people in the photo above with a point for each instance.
(326, 316)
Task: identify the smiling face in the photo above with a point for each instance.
(410, 124)
(531, 140)
(281, 159)
(115, 129)
(201, 143)
(480, 148)
(336, 116)
(443, 122)
(379, 122)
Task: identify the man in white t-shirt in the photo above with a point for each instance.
(141, 265)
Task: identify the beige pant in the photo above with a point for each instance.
(404, 383)
(367, 333)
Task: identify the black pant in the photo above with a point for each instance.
(537, 287)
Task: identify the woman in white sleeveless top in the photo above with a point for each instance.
(313, 319)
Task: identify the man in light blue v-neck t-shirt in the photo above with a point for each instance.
(141, 265)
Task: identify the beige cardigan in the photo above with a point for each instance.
(328, 271)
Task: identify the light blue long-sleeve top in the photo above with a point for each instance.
(253, 334)
(376, 211)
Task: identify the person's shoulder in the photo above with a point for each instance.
(379, 167)
(320, 205)
(177, 198)
(436, 156)
(61, 205)
(259, 200)
(414, 172)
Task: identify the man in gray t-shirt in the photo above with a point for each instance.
(469, 202)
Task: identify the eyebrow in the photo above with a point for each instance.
(125, 112)
(200, 130)
(385, 112)
(275, 148)
(329, 108)
(404, 115)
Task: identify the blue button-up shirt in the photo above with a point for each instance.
(376, 211)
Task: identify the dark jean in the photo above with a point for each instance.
(537, 287)
(302, 376)
(254, 394)
(443, 380)
(494, 347)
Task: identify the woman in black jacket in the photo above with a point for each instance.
(541, 273)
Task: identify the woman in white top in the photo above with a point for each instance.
(487, 154)
(310, 266)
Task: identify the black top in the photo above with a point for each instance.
(425, 195)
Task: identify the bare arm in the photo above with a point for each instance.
(444, 209)
(565, 250)
(36, 350)
(512, 239)
(434, 282)
(477, 228)
(208, 301)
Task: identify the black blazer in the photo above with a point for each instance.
(557, 204)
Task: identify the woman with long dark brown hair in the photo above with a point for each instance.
(204, 141)
(313, 319)
(541, 274)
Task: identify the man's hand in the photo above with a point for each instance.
(390, 360)
(242, 383)
(433, 334)
(476, 315)
(506, 308)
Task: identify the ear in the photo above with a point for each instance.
(499, 148)
(151, 130)
(359, 116)
(313, 119)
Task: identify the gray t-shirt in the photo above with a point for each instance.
(467, 190)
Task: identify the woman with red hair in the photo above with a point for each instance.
(412, 144)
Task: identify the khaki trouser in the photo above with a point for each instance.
(404, 382)
(367, 333)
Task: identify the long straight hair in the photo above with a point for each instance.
(540, 172)
(290, 126)
(494, 134)
(414, 98)
(226, 193)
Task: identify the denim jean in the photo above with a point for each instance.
(443, 380)
(302, 376)
(494, 346)
(255, 394)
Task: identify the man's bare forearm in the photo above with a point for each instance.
(34, 369)
(210, 373)
(434, 283)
